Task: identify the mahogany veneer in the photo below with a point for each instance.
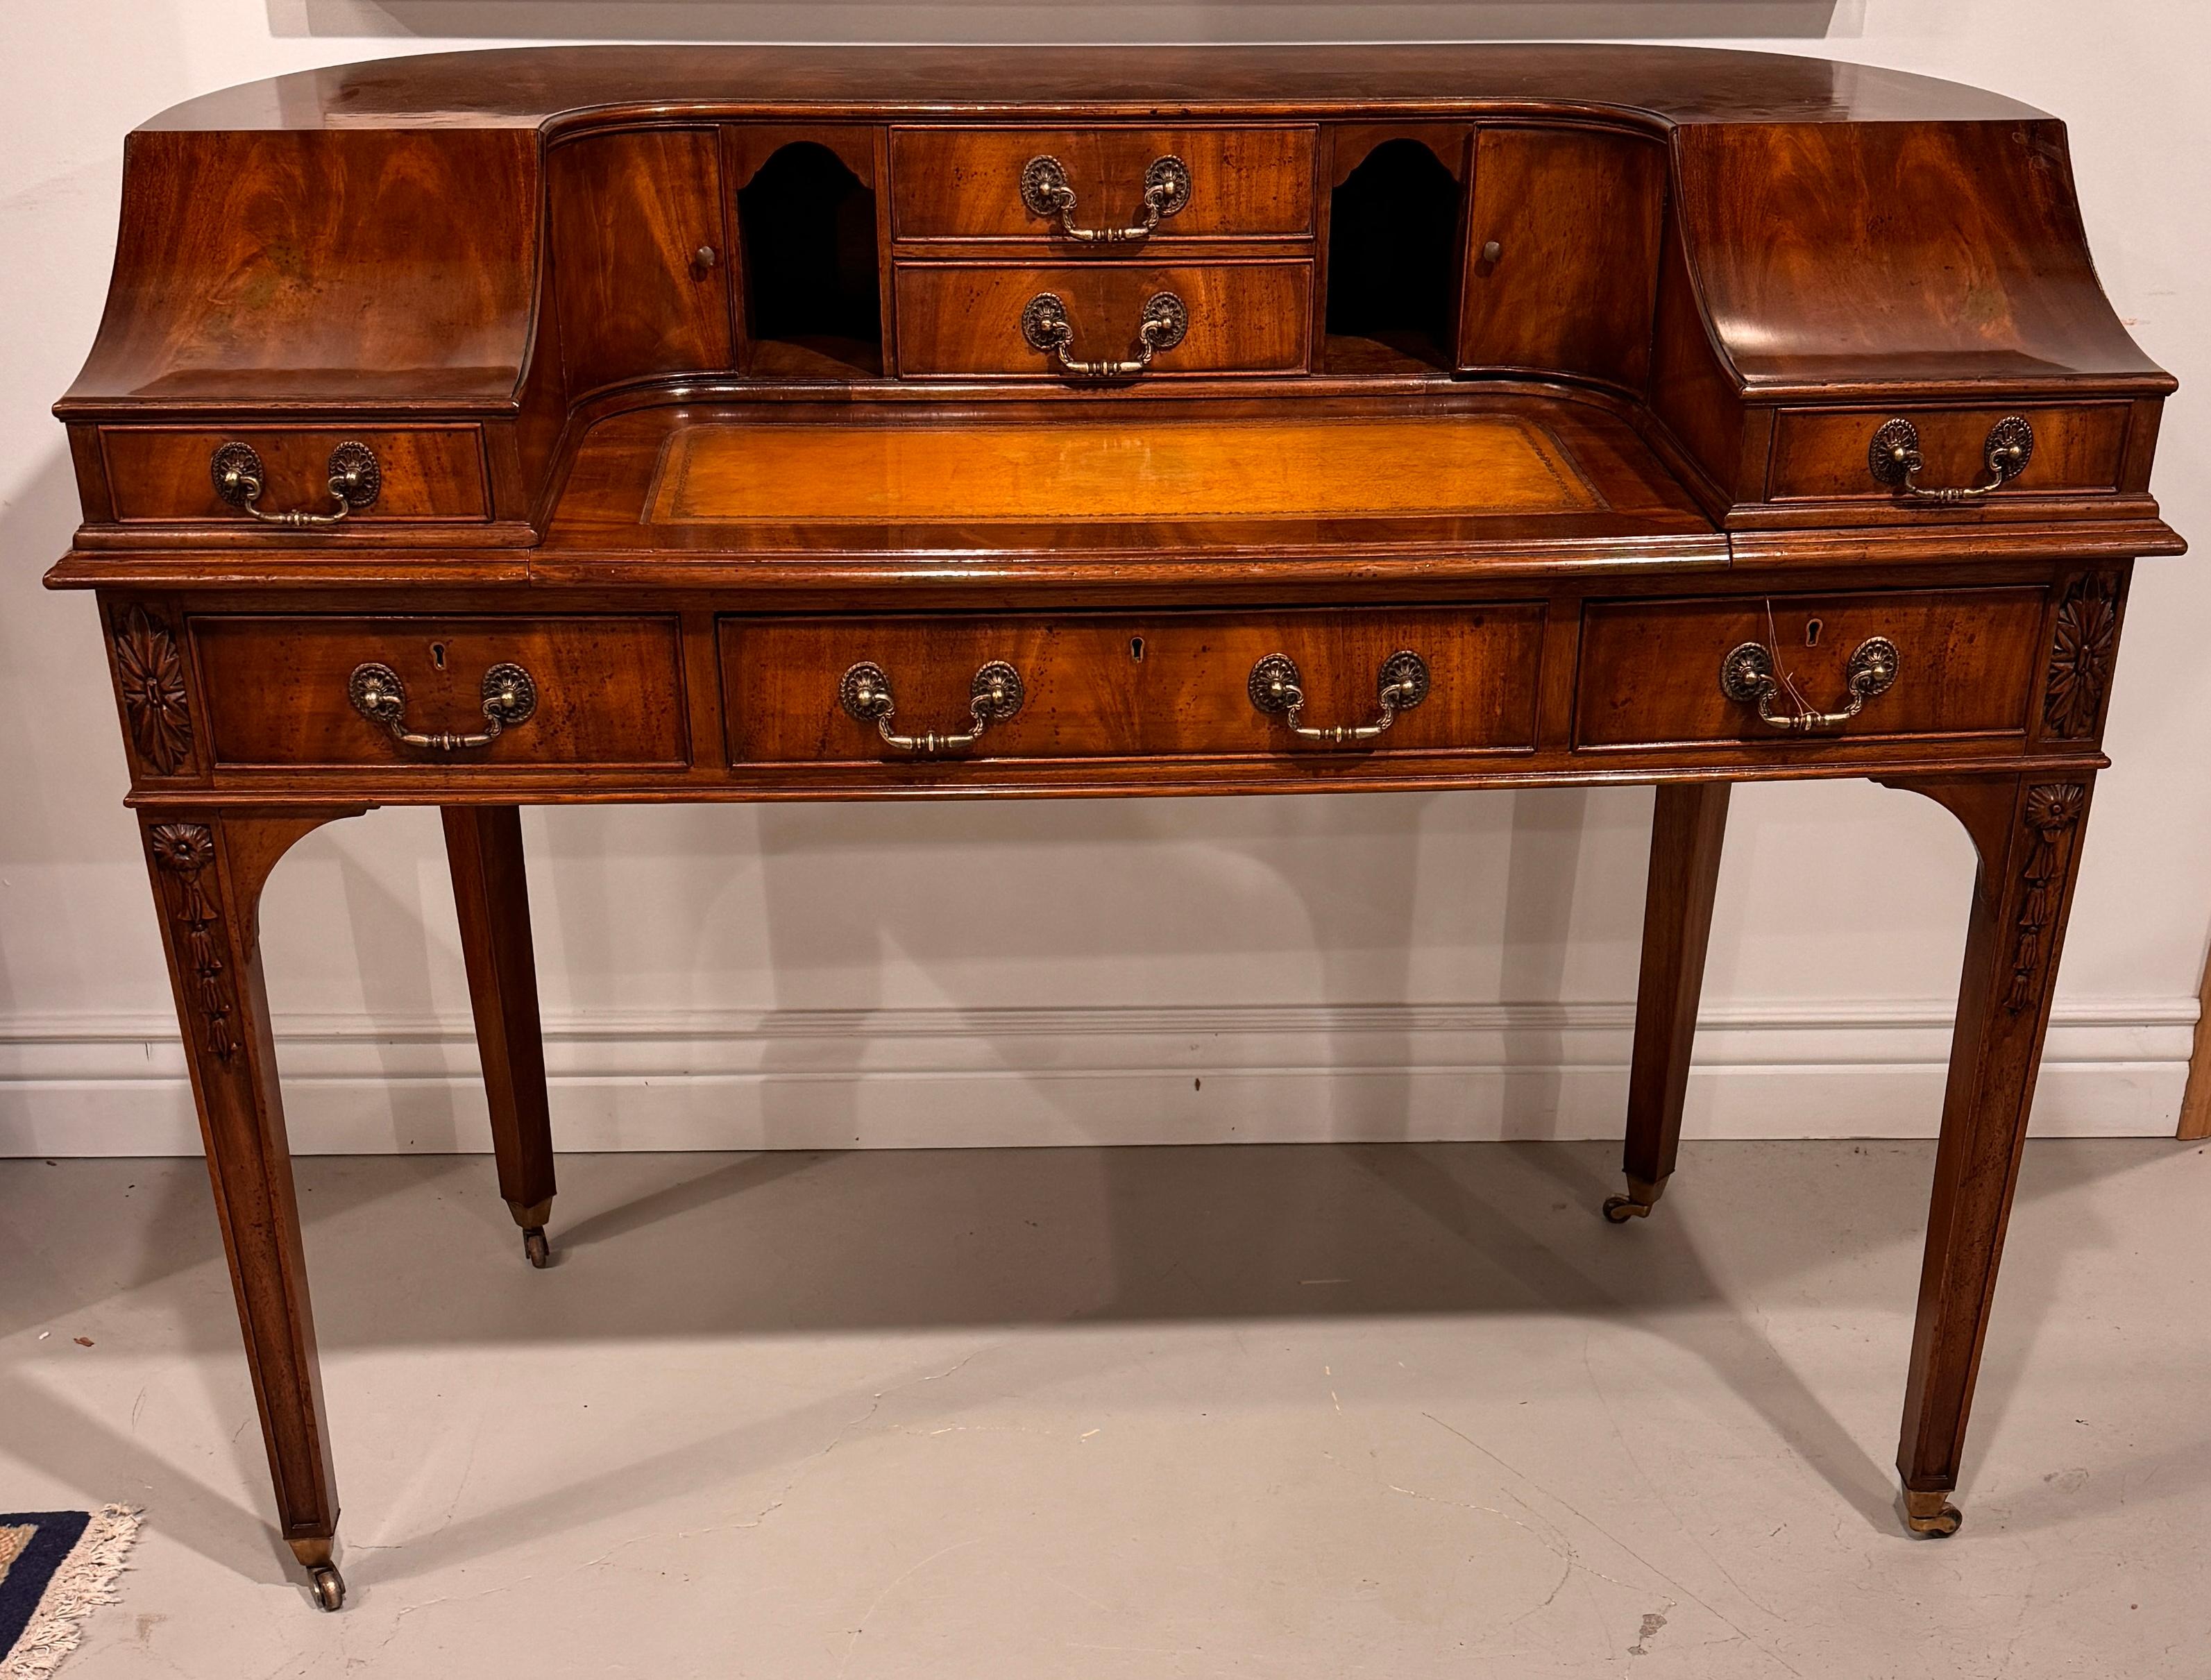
(1533, 415)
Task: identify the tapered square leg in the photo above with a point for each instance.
(483, 844)
(1686, 835)
(208, 868)
(2028, 835)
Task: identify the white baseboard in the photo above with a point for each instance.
(934, 1079)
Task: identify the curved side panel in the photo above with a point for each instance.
(1831, 254)
(332, 268)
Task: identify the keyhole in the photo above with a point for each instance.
(1812, 633)
(1136, 649)
(437, 654)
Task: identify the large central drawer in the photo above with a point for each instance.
(1127, 685)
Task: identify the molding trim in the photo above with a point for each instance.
(110, 1085)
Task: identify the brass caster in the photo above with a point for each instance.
(1641, 1197)
(1932, 1515)
(328, 1586)
(539, 1250)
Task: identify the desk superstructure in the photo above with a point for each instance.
(477, 430)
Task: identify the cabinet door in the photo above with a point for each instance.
(639, 256)
(1573, 216)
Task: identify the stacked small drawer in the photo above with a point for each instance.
(1103, 254)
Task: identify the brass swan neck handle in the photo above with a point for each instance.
(1277, 689)
(1045, 325)
(994, 694)
(1046, 192)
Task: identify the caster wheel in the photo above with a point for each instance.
(1939, 1524)
(328, 1586)
(539, 1250)
(1622, 1208)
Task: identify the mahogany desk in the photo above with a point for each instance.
(699, 423)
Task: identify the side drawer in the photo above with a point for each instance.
(1130, 685)
(966, 183)
(432, 474)
(1825, 454)
(1649, 672)
(605, 690)
(1243, 318)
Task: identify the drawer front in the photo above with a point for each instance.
(1820, 454)
(607, 690)
(1649, 671)
(1243, 318)
(164, 473)
(966, 183)
(1161, 686)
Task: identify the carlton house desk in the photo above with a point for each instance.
(551, 427)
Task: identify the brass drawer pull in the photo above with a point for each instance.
(1045, 325)
(995, 695)
(1045, 191)
(510, 696)
(1276, 689)
(356, 481)
(1894, 456)
(1747, 677)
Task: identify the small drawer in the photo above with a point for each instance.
(429, 474)
(282, 691)
(1651, 674)
(1222, 183)
(1127, 685)
(1232, 318)
(1826, 454)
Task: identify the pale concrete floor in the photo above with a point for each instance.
(1133, 1415)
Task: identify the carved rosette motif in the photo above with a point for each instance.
(186, 850)
(2081, 656)
(2053, 812)
(151, 675)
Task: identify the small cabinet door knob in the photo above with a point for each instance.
(1491, 252)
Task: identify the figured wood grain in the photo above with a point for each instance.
(161, 473)
(1094, 470)
(630, 213)
(1245, 317)
(1821, 453)
(1966, 662)
(608, 690)
(1576, 214)
(966, 182)
(1152, 685)
(1984, 278)
(369, 265)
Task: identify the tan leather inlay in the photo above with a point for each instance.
(1081, 470)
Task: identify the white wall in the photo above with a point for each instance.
(1384, 966)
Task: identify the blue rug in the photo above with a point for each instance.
(54, 1566)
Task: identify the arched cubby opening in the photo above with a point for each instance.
(807, 235)
(1393, 258)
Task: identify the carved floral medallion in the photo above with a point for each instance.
(2081, 656)
(151, 675)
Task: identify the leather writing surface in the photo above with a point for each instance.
(1105, 469)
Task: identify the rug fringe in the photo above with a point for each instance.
(86, 1578)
